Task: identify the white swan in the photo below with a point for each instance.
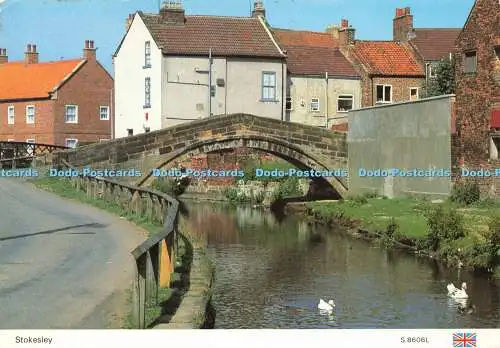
(457, 293)
(326, 306)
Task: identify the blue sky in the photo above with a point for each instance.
(60, 27)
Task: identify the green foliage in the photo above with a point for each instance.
(165, 185)
(287, 188)
(465, 193)
(444, 225)
(234, 195)
(443, 83)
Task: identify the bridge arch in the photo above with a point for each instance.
(277, 147)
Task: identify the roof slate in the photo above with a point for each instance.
(225, 36)
(313, 53)
(435, 43)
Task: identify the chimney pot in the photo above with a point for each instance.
(344, 23)
(87, 44)
(28, 48)
(172, 12)
(407, 11)
(399, 12)
(33, 48)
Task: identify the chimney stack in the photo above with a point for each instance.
(3, 56)
(31, 55)
(402, 25)
(128, 21)
(258, 9)
(346, 33)
(172, 12)
(89, 51)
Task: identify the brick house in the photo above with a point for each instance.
(478, 88)
(390, 71)
(66, 102)
(430, 44)
(322, 85)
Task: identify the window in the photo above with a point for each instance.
(147, 54)
(103, 140)
(494, 147)
(315, 104)
(497, 53)
(30, 114)
(344, 103)
(10, 114)
(147, 92)
(104, 113)
(71, 114)
(432, 71)
(413, 93)
(71, 143)
(384, 94)
(268, 86)
(288, 105)
(470, 62)
(130, 132)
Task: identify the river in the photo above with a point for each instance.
(271, 274)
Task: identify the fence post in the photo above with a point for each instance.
(141, 280)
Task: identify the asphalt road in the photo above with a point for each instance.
(62, 264)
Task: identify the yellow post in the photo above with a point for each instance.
(165, 265)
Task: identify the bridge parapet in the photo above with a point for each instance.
(304, 146)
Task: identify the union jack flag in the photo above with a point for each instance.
(464, 340)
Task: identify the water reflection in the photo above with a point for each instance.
(271, 274)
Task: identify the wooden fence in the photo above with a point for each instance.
(154, 258)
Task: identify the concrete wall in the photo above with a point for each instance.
(409, 135)
(129, 77)
(186, 88)
(303, 88)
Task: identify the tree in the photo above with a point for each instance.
(443, 82)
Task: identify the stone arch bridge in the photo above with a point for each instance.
(306, 147)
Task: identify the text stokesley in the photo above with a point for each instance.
(29, 339)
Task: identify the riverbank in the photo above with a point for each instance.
(189, 265)
(460, 235)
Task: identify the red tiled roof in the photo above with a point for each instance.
(289, 37)
(388, 58)
(226, 36)
(26, 81)
(311, 53)
(436, 43)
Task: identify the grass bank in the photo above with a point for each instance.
(460, 232)
(166, 296)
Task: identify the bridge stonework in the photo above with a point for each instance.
(306, 147)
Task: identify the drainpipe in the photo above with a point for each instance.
(284, 86)
(326, 100)
(426, 77)
(210, 82)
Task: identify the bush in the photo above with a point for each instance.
(165, 185)
(287, 188)
(250, 166)
(465, 193)
(444, 225)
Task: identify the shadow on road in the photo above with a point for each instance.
(94, 225)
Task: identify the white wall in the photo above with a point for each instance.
(187, 91)
(244, 87)
(129, 82)
(304, 88)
